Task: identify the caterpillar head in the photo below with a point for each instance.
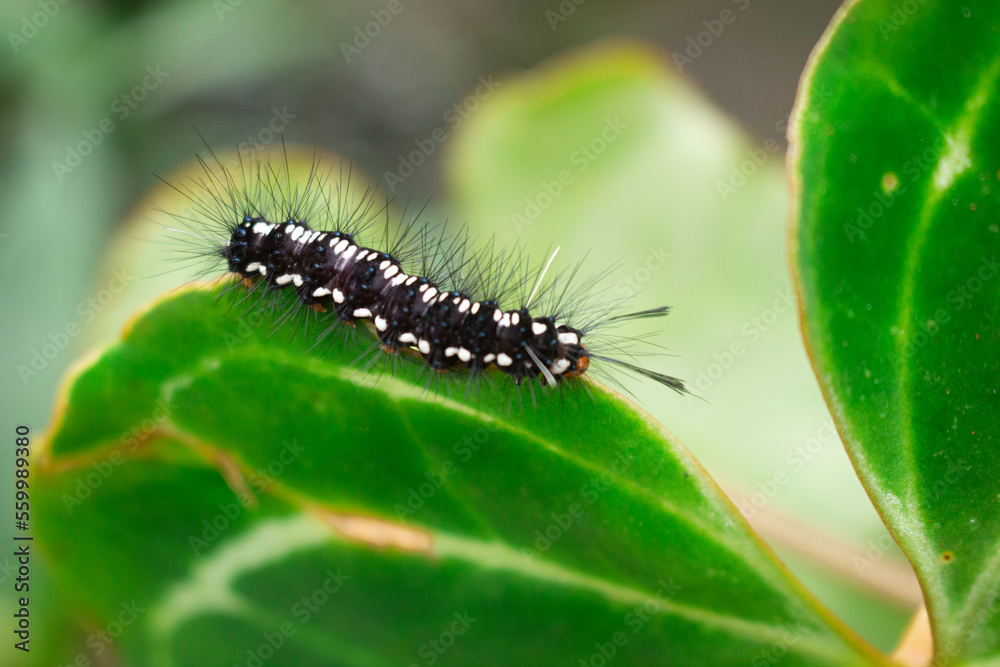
(573, 358)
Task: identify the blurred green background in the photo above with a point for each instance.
(98, 98)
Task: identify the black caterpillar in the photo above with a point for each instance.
(448, 309)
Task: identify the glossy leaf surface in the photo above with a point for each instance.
(895, 171)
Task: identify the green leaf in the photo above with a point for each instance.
(220, 490)
(895, 170)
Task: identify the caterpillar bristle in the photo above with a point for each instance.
(301, 248)
(674, 383)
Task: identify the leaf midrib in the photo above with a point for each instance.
(961, 130)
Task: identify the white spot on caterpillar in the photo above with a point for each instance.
(380, 323)
(297, 232)
(515, 319)
(297, 279)
(253, 266)
(464, 306)
(423, 288)
(262, 228)
(475, 308)
(340, 246)
(429, 294)
(442, 297)
(407, 339)
(338, 296)
(263, 270)
(488, 359)
(321, 236)
(372, 256)
(424, 346)
(399, 280)
(559, 366)
(411, 280)
(464, 355)
(538, 328)
(384, 265)
(283, 280)
(497, 315)
(362, 312)
(450, 351)
(504, 319)
(322, 291)
(569, 338)
(504, 360)
(391, 270)
(350, 252)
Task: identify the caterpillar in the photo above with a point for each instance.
(425, 293)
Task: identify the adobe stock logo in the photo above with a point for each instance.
(697, 44)
(885, 196)
(363, 35)
(121, 108)
(30, 25)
